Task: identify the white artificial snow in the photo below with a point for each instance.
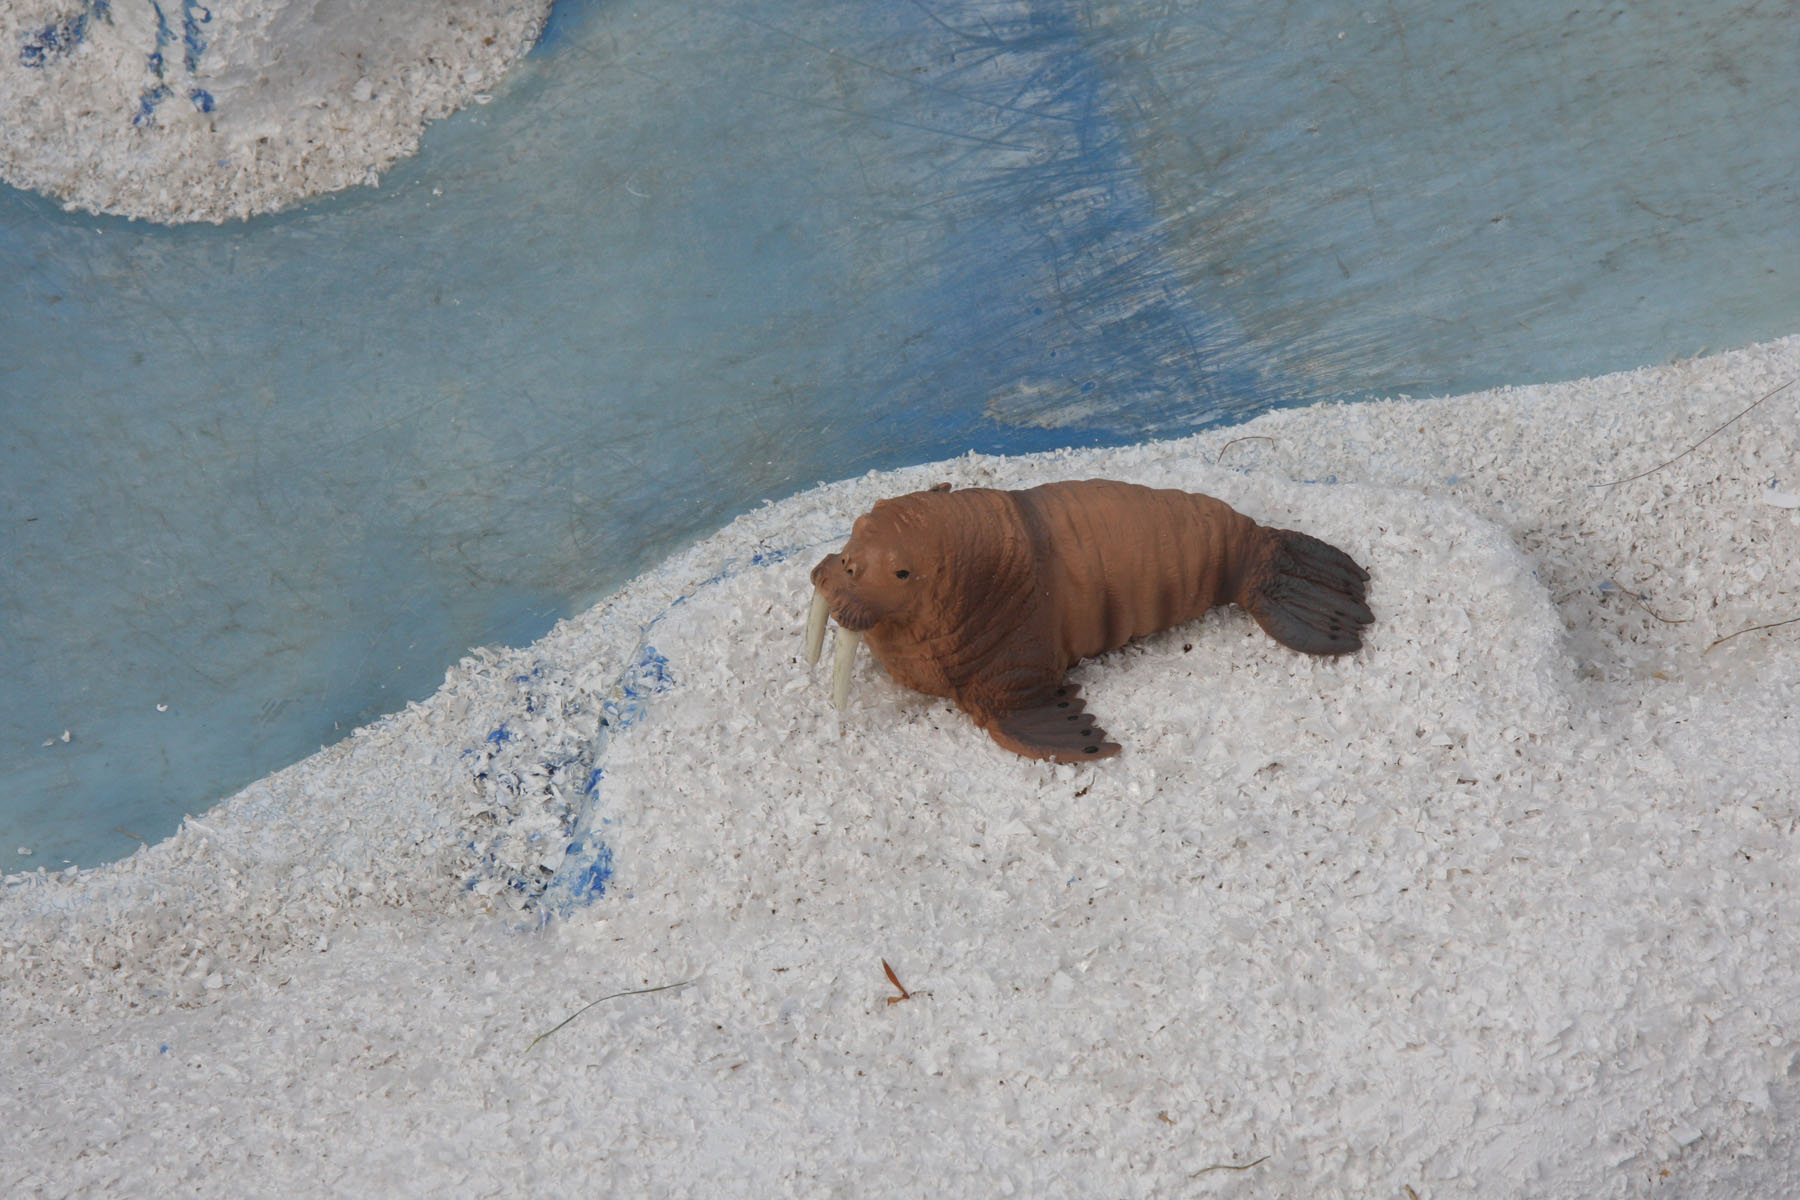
(1501, 906)
(202, 110)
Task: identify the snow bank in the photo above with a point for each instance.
(1500, 906)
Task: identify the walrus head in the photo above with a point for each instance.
(885, 572)
(937, 568)
(882, 573)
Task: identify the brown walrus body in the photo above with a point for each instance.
(989, 597)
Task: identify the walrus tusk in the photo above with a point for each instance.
(842, 663)
(843, 660)
(815, 627)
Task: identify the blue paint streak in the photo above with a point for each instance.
(591, 883)
(150, 99)
(765, 557)
(165, 36)
(588, 862)
(648, 677)
(58, 38)
(587, 859)
(202, 99)
(156, 94)
(192, 17)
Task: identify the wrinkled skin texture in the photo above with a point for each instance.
(989, 597)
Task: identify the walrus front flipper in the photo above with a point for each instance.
(1060, 730)
(1308, 594)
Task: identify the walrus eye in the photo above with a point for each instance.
(901, 574)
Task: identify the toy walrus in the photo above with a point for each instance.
(989, 597)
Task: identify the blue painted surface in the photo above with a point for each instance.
(277, 475)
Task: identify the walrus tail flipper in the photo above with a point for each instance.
(1307, 594)
(1060, 729)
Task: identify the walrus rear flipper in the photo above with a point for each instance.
(1308, 594)
(1060, 730)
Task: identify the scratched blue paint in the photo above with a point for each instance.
(193, 44)
(148, 100)
(165, 37)
(587, 864)
(648, 677)
(59, 38)
(156, 93)
(50, 42)
(591, 883)
(505, 770)
(588, 861)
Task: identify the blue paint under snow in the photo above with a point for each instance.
(147, 102)
(193, 43)
(587, 865)
(51, 42)
(590, 882)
